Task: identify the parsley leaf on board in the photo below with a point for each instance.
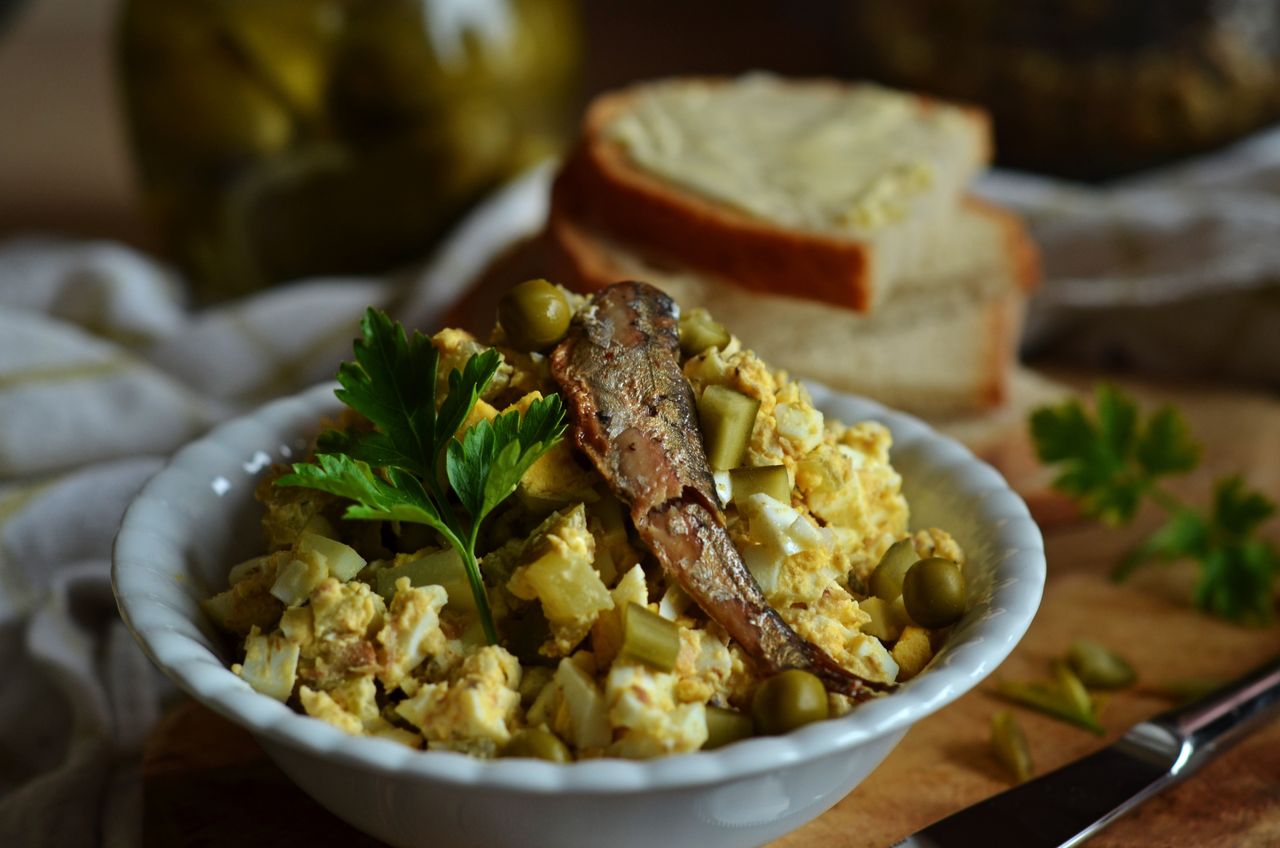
(391, 472)
(1113, 460)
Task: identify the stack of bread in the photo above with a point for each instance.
(827, 224)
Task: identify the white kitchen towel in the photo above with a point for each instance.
(1174, 273)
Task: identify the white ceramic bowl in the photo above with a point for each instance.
(197, 517)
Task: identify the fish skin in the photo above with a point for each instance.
(632, 414)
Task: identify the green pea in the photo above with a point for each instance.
(539, 744)
(789, 699)
(933, 592)
(534, 315)
(725, 726)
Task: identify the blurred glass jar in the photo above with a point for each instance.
(279, 139)
(1084, 88)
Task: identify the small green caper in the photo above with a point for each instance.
(1098, 667)
(789, 699)
(886, 580)
(933, 592)
(534, 315)
(539, 744)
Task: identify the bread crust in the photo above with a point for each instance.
(624, 200)
(578, 261)
(576, 257)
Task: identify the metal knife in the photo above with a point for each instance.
(1065, 807)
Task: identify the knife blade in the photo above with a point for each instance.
(1065, 807)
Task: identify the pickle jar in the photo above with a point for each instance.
(281, 139)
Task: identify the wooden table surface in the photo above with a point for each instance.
(208, 783)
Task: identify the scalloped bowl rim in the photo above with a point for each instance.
(148, 576)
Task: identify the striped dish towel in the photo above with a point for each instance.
(103, 373)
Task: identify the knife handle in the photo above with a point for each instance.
(1218, 719)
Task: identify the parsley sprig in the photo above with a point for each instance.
(398, 471)
(1113, 460)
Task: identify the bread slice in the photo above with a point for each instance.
(943, 344)
(818, 189)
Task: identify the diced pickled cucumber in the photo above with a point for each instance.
(886, 580)
(768, 480)
(607, 509)
(726, 418)
(699, 332)
(725, 726)
(608, 524)
(532, 682)
(441, 568)
(649, 638)
(524, 632)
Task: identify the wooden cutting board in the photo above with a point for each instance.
(208, 783)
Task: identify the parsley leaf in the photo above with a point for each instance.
(1166, 446)
(465, 387)
(375, 498)
(485, 467)
(392, 383)
(1112, 461)
(391, 472)
(1097, 458)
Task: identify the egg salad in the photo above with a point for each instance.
(373, 625)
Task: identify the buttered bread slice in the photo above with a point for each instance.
(944, 344)
(814, 189)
